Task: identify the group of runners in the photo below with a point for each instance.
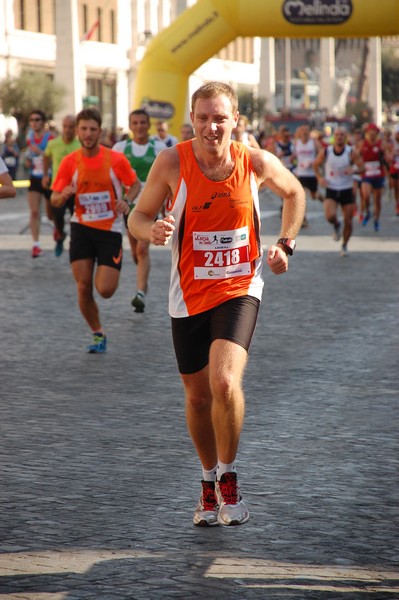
(335, 170)
(201, 195)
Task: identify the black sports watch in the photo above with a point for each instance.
(289, 245)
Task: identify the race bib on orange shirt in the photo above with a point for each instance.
(96, 206)
(221, 254)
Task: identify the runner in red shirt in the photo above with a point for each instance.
(393, 160)
(96, 175)
(372, 152)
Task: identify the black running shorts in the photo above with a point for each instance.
(103, 246)
(308, 183)
(233, 320)
(35, 185)
(343, 197)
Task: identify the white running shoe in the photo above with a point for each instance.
(232, 508)
(206, 511)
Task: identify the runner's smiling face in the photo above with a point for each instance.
(139, 126)
(213, 120)
(89, 134)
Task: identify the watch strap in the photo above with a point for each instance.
(288, 243)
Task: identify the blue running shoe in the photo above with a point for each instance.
(59, 247)
(99, 344)
(376, 225)
(366, 218)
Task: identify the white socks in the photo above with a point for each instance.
(218, 471)
(225, 468)
(209, 475)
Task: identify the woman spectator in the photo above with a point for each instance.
(10, 153)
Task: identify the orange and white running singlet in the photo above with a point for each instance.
(216, 248)
(98, 183)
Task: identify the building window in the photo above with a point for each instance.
(103, 91)
(99, 24)
(22, 14)
(112, 25)
(39, 15)
(85, 19)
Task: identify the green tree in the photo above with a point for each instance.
(390, 75)
(362, 112)
(30, 91)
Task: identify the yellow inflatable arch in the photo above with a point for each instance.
(209, 25)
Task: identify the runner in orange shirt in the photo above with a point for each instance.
(96, 175)
(213, 220)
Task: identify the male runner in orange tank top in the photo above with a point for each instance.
(95, 174)
(216, 283)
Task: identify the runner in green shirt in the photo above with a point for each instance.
(141, 152)
(55, 151)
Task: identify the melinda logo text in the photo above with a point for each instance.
(317, 12)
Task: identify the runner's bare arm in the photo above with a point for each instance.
(272, 174)
(7, 189)
(122, 205)
(59, 198)
(161, 181)
(318, 162)
(46, 171)
(134, 191)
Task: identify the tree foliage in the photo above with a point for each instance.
(362, 112)
(30, 91)
(390, 75)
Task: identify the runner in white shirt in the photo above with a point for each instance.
(306, 150)
(338, 160)
(163, 135)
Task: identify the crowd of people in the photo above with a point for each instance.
(346, 171)
(200, 193)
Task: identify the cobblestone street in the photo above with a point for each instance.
(100, 479)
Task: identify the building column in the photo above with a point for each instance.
(267, 79)
(67, 64)
(123, 108)
(6, 27)
(327, 73)
(125, 40)
(375, 87)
